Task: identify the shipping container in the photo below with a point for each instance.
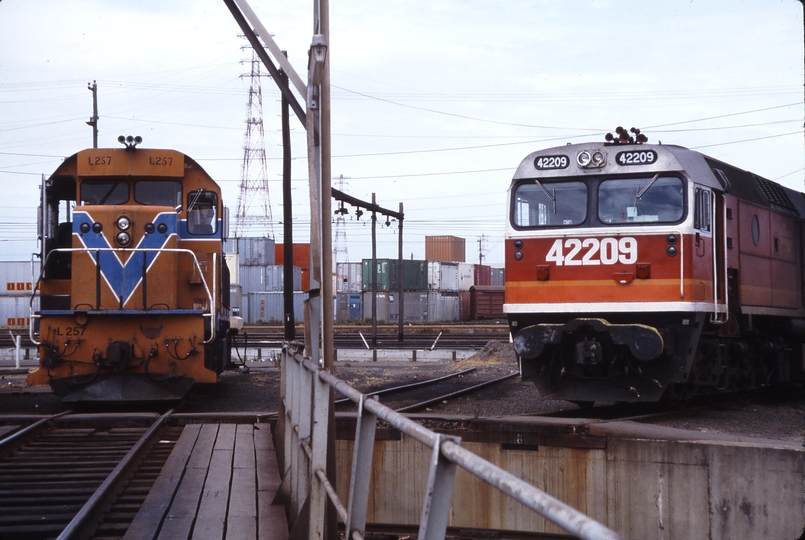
(445, 248)
(388, 307)
(415, 275)
(15, 311)
(498, 277)
(305, 279)
(301, 255)
(233, 264)
(18, 278)
(348, 277)
(443, 306)
(434, 275)
(255, 251)
(269, 307)
(443, 276)
(236, 300)
(348, 307)
(382, 299)
(483, 275)
(486, 302)
(267, 278)
(464, 306)
(383, 274)
(466, 276)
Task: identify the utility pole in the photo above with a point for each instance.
(94, 120)
(481, 249)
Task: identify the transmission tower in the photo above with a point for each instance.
(253, 177)
(340, 254)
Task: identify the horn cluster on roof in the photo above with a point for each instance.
(623, 136)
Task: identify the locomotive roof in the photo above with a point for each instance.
(703, 169)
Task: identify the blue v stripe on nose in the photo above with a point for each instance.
(123, 278)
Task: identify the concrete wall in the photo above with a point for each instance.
(644, 482)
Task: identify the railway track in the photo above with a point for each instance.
(430, 393)
(80, 476)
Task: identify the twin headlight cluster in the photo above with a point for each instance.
(123, 224)
(594, 159)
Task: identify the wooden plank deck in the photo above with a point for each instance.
(218, 483)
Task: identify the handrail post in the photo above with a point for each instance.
(438, 493)
(361, 469)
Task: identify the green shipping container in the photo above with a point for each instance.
(415, 275)
(383, 274)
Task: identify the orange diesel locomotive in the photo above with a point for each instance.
(134, 288)
(636, 272)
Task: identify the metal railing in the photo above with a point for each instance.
(306, 400)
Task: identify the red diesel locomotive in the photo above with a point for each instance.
(640, 272)
(134, 289)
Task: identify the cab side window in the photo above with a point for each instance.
(202, 212)
(702, 210)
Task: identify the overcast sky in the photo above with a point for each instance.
(435, 102)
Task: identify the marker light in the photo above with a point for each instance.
(84, 228)
(149, 228)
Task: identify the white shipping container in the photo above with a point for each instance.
(233, 264)
(434, 275)
(348, 277)
(15, 311)
(449, 277)
(466, 276)
(18, 277)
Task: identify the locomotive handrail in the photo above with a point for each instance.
(716, 318)
(211, 296)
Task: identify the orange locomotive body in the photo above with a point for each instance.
(637, 272)
(134, 289)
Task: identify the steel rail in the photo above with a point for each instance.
(463, 391)
(410, 385)
(18, 436)
(87, 518)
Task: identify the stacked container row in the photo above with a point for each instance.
(19, 281)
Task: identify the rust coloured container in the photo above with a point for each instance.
(483, 275)
(445, 248)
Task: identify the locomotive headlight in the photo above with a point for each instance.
(598, 159)
(123, 223)
(123, 239)
(583, 159)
